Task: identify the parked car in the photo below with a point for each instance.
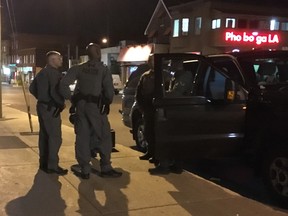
(118, 86)
(237, 106)
(131, 115)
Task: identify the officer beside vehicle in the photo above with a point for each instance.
(49, 106)
(144, 98)
(95, 94)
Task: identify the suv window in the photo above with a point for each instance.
(178, 76)
(268, 71)
(217, 86)
(229, 68)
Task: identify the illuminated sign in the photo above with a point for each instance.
(252, 37)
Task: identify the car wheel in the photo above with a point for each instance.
(141, 142)
(276, 175)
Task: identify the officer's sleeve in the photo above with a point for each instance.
(108, 88)
(54, 88)
(33, 88)
(42, 83)
(67, 80)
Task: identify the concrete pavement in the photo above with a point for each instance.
(14, 98)
(26, 191)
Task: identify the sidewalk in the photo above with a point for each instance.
(25, 191)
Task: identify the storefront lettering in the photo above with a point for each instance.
(254, 37)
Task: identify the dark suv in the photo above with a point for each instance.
(226, 105)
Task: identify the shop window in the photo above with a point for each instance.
(230, 23)
(242, 23)
(264, 24)
(198, 25)
(254, 24)
(284, 26)
(185, 26)
(176, 28)
(216, 23)
(274, 25)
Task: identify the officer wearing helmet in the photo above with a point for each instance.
(95, 93)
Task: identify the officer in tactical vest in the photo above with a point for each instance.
(94, 95)
(49, 106)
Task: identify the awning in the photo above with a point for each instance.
(139, 53)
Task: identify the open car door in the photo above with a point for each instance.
(200, 111)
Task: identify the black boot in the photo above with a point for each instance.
(146, 156)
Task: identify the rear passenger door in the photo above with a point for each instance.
(205, 122)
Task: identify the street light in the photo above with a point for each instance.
(105, 41)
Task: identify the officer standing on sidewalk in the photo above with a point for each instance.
(95, 94)
(49, 106)
(144, 97)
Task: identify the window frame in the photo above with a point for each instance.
(227, 20)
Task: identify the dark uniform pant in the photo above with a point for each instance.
(50, 136)
(89, 122)
(149, 130)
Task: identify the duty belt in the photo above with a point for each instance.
(88, 98)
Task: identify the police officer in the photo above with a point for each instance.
(144, 98)
(95, 94)
(49, 105)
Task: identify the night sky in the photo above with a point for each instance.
(88, 20)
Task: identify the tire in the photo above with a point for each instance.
(276, 175)
(141, 142)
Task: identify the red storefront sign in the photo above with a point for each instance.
(252, 37)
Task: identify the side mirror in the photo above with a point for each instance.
(230, 91)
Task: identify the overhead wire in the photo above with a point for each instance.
(13, 15)
(12, 22)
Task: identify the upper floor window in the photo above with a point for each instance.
(274, 25)
(254, 24)
(284, 26)
(230, 23)
(216, 23)
(198, 25)
(185, 26)
(176, 28)
(242, 23)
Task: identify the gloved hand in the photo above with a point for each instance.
(72, 118)
(58, 110)
(105, 109)
(104, 106)
(72, 111)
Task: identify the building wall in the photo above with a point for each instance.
(213, 40)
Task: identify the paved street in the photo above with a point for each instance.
(14, 97)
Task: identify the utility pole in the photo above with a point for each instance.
(1, 111)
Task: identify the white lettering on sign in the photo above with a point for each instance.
(254, 37)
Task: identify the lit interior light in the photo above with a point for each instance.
(236, 50)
